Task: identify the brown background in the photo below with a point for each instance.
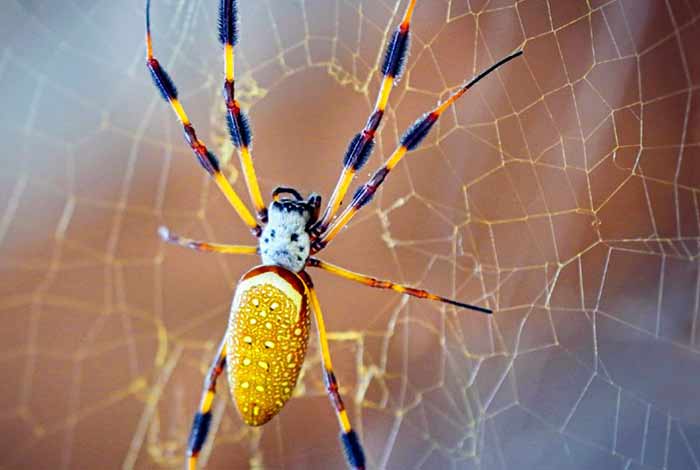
(563, 193)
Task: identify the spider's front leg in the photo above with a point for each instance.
(361, 145)
(238, 124)
(410, 140)
(206, 158)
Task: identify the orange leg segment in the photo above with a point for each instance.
(175, 239)
(382, 284)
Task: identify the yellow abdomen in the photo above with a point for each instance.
(267, 336)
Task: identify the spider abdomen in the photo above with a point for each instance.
(267, 337)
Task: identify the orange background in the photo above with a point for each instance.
(562, 192)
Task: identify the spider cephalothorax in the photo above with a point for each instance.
(285, 239)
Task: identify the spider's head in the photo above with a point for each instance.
(294, 203)
(285, 239)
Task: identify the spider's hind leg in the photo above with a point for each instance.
(202, 419)
(354, 453)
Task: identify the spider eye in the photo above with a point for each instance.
(294, 237)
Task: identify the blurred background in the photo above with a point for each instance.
(562, 192)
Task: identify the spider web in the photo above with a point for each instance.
(563, 192)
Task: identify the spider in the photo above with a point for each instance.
(265, 342)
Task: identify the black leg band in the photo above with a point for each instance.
(353, 449)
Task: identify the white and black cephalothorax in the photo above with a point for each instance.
(285, 240)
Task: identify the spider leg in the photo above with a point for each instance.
(361, 145)
(409, 141)
(383, 284)
(238, 125)
(354, 454)
(206, 158)
(198, 245)
(202, 419)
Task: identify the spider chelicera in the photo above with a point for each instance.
(265, 342)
